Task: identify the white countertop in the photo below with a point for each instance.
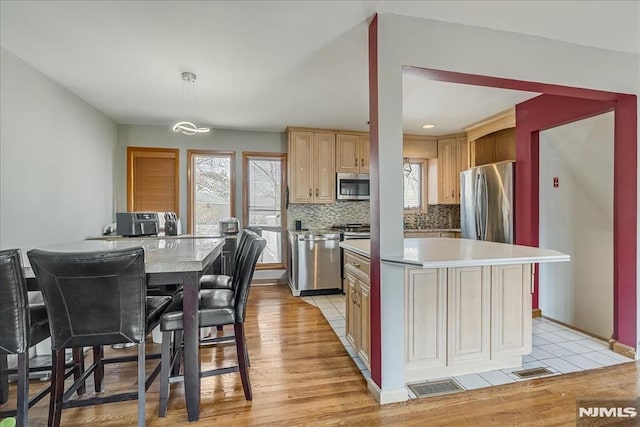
(161, 255)
(443, 252)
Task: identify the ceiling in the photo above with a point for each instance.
(263, 65)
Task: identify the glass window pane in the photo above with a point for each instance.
(212, 191)
(413, 186)
(264, 192)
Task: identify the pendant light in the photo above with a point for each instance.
(187, 127)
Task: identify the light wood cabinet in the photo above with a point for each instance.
(510, 310)
(358, 317)
(425, 233)
(352, 153)
(312, 167)
(466, 319)
(453, 157)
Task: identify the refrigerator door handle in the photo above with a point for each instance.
(477, 207)
(485, 207)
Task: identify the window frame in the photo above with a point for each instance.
(246, 156)
(191, 154)
(423, 186)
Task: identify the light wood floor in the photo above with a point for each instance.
(302, 375)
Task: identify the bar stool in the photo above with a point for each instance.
(218, 307)
(96, 299)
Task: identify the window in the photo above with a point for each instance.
(264, 180)
(415, 183)
(152, 179)
(211, 185)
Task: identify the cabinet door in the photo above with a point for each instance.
(348, 157)
(425, 319)
(505, 145)
(486, 150)
(365, 322)
(325, 173)
(301, 185)
(364, 154)
(464, 161)
(468, 315)
(352, 332)
(447, 171)
(510, 310)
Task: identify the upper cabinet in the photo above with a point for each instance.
(493, 139)
(419, 147)
(312, 174)
(453, 157)
(352, 153)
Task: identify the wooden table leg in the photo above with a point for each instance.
(191, 344)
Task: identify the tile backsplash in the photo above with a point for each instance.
(318, 217)
(437, 216)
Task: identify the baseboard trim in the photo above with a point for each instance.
(623, 349)
(536, 312)
(384, 397)
(577, 329)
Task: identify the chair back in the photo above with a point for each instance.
(92, 298)
(14, 304)
(244, 273)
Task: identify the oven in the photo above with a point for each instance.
(350, 232)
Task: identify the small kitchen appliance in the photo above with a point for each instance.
(229, 225)
(134, 224)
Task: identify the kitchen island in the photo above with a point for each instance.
(467, 303)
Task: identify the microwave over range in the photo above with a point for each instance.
(352, 186)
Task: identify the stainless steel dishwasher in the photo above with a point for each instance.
(314, 266)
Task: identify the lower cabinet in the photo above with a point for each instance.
(358, 317)
(466, 319)
(424, 233)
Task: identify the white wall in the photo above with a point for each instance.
(577, 218)
(217, 139)
(404, 40)
(56, 160)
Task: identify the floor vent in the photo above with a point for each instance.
(533, 372)
(435, 388)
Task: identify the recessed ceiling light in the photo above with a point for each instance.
(428, 126)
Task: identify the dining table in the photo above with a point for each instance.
(176, 260)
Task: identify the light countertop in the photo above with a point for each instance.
(429, 230)
(160, 254)
(444, 252)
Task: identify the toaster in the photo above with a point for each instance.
(132, 224)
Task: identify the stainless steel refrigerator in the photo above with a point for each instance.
(486, 202)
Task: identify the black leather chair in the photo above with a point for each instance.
(21, 326)
(218, 307)
(95, 299)
(221, 281)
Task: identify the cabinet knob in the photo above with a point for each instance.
(316, 192)
(310, 192)
(356, 161)
(355, 264)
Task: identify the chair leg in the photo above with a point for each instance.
(57, 388)
(177, 351)
(142, 378)
(23, 389)
(78, 368)
(242, 360)
(165, 365)
(4, 379)
(98, 373)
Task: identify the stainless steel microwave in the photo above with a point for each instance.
(352, 186)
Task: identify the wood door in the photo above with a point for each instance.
(347, 157)
(352, 317)
(447, 171)
(425, 320)
(364, 154)
(325, 172)
(510, 310)
(468, 315)
(152, 179)
(364, 303)
(301, 176)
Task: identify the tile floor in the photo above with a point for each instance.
(559, 349)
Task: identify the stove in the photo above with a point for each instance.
(354, 231)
